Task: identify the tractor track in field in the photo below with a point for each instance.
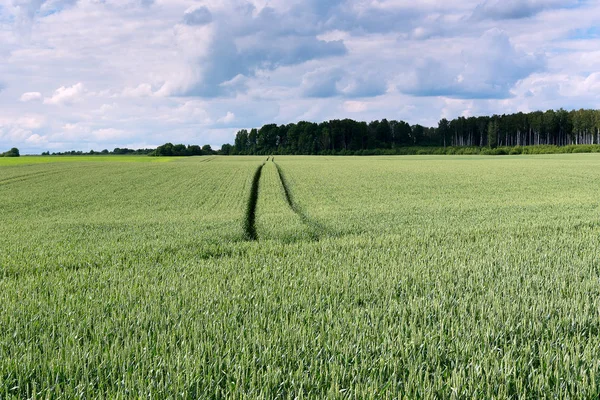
(24, 177)
(317, 230)
(250, 233)
(250, 219)
(40, 174)
(32, 175)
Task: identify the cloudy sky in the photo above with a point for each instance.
(95, 74)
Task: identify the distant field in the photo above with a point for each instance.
(370, 277)
(25, 160)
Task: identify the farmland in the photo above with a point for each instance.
(365, 277)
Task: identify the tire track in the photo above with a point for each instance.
(317, 230)
(24, 177)
(250, 220)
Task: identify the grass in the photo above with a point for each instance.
(380, 277)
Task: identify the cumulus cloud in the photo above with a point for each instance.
(66, 95)
(106, 108)
(516, 9)
(14, 131)
(31, 96)
(369, 84)
(227, 61)
(330, 82)
(109, 134)
(37, 140)
(227, 119)
(561, 90)
(489, 68)
(197, 16)
(86, 133)
(356, 16)
(321, 83)
(27, 122)
(355, 106)
(28, 9)
(240, 41)
(142, 90)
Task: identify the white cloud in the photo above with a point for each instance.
(15, 131)
(142, 90)
(106, 108)
(110, 134)
(230, 117)
(37, 140)
(66, 95)
(355, 106)
(23, 121)
(31, 96)
(197, 16)
(489, 68)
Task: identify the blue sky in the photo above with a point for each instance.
(95, 74)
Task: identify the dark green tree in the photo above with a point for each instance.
(14, 152)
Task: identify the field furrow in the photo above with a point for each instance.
(316, 229)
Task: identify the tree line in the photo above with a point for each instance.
(116, 151)
(14, 152)
(167, 149)
(549, 128)
(179, 150)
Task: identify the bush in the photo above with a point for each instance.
(516, 150)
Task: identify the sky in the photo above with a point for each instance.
(100, 74)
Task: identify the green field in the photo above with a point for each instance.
(29, 160)
(366, 277)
